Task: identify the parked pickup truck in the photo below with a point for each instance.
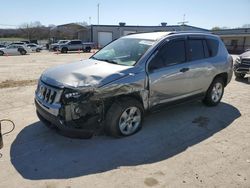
(136, 73)
(75, 45)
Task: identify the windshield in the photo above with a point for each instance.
(124, 51)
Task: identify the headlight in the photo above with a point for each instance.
(71, 94)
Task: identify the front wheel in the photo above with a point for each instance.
(124, 118)
(214, 92)
(64, 50)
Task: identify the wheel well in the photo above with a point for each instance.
(224, 77)
(108, 102)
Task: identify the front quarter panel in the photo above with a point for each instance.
(133, 83)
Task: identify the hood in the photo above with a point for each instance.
(245, 55)
(85, 74)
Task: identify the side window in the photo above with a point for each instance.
(213, 46)
(172, 53)
(75, 42)
(195, 49)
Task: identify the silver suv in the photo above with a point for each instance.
(137, 73)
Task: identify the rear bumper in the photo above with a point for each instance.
(59, 125)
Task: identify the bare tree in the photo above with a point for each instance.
(30, 29)
(246, 26)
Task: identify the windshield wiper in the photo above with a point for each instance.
(106, 60)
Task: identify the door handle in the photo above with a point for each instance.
(184, 70)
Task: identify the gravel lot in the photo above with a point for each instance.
(189, 145)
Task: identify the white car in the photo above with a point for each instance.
(15, 49)
(34, 47)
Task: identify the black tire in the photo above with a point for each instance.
(55, 49)
(239, 75)
(23, 52)
(213, 97)
(38, 50)
(88, 49)
(114, 117)
(1, 53)
(64, 50)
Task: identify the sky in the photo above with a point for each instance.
(200, 13)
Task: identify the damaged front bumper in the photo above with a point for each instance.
(73, 118)
(66, 128)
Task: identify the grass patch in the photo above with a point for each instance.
(17, 83)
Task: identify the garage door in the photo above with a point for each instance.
(104, 38)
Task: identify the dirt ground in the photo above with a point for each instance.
(186, 146)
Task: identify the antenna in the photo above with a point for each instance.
(184, 20)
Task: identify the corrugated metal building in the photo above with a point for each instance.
(103, 34)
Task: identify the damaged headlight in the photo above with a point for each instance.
(72, 95)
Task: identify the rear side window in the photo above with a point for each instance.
(213, 46)
(196, 49)
(171, 53)
(76, 42)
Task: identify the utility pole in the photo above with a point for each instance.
(90, 20)
(98, 13)
(184, 20)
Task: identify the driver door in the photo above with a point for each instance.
(168, 73)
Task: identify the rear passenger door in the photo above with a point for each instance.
(76, 45)
(199, 64)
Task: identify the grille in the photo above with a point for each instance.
(47, 94)
(245, 61)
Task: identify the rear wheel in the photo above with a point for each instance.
(124, 118)
(214, 92)
(23, 52)
(1, 53)
(239, 75)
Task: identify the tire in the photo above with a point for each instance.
(214, 93)
(55, 49)
(38, 50)
(64, 50)
(124, 118)
(1, 53)
(239, 75)
(23, 52)
(88, 49)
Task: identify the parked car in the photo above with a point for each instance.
(34, 47)
(75, 45)
(18, 43)
(14, 49)
(137, 73)
(55, 46)
(242, 65)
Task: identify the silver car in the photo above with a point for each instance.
(137, 73)
(14, 49)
